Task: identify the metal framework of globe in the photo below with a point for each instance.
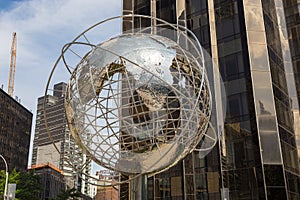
(139, 102)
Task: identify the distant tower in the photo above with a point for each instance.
(43, 149)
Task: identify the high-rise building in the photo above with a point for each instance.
(15, 131)
(68, 155)
(255, 45)
(292, 16)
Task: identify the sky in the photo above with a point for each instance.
(43, 27)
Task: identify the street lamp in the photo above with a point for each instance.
(6, 177)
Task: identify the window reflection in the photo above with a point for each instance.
(253, 16)
(264, 97)
(267, 123)
(270, 147)
(258, 57)
(256, 37)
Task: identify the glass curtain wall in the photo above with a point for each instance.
(257, 156)
(241, 167)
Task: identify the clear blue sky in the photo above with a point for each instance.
(7, 4)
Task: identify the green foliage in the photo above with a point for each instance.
(14, 177)
(68, 194)
(28, 184)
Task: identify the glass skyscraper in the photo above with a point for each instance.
(255, 45)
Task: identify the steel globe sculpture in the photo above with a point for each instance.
(139, 102)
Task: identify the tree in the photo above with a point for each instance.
(28, 184)
(68, 194)
(14, 177)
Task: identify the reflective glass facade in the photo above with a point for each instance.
(255, 45)
(292, 16)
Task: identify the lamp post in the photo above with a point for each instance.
(6, 177)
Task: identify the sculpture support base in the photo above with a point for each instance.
(138, 188)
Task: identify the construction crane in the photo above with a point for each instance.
(12, 67)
